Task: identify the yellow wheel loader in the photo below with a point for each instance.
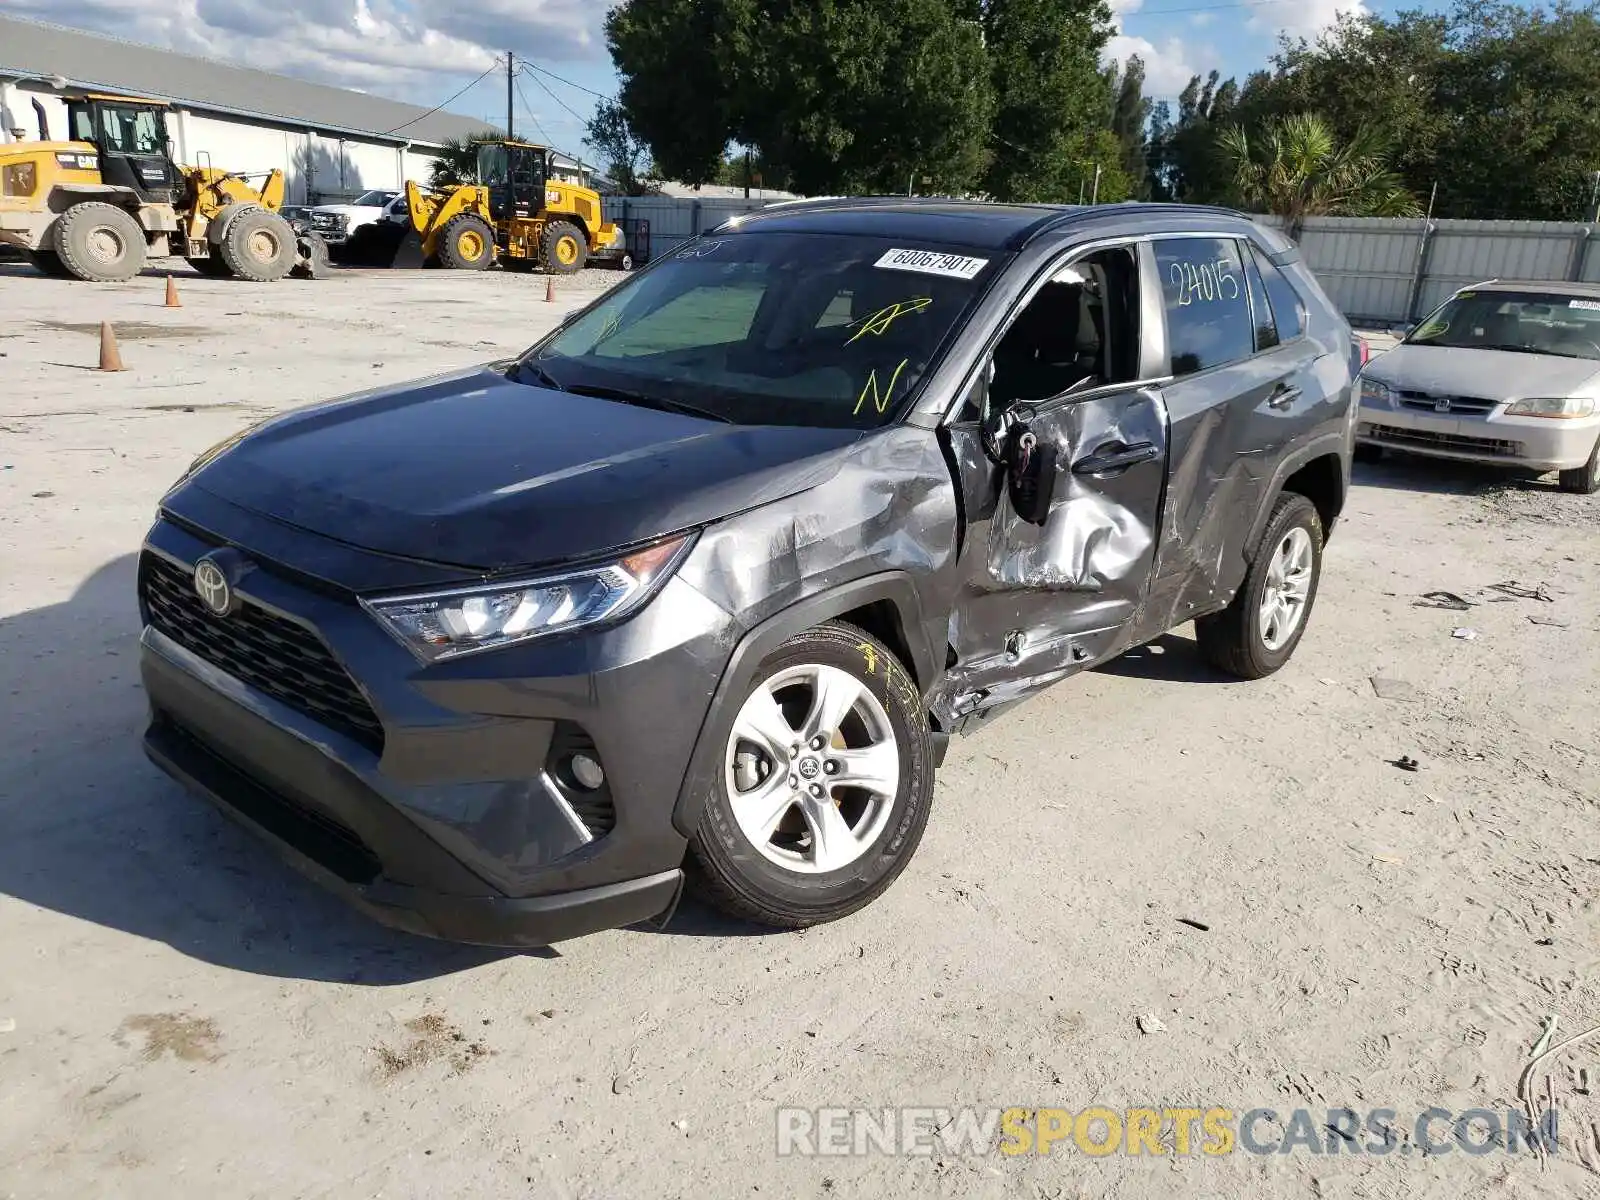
(101, 204)
(519, 211)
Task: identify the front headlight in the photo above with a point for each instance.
(1568, 408)
(1373, 392)
(440, 625)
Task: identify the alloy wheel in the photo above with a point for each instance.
(812, 769)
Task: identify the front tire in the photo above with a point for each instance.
(466, 243)
(823, 787)
(1584, 480)
(259, 246)
(1258, 633)
(211, 266)
(48, 262)
(563, 248)
(99, 243)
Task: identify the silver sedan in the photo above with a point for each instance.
(1501, 373)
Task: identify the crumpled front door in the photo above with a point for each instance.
(1051, 589)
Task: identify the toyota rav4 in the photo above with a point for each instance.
(700, 586)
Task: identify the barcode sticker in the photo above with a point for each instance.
(1586, 305)
(931, 262)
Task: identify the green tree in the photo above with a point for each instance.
(1051, 93)
(833, 95)
(1185, 162)
(1131, 116)
(623, 154)
(1295, 167)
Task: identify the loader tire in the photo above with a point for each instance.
(259, 246)
(466, 243)
(48, 262)
(99, 243)
(563, 249)
(211, 265)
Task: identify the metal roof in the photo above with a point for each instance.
(34, 50)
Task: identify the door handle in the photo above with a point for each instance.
(1283, 396)
(1116, 457)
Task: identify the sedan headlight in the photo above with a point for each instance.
(1560, 407)
(440, 625)
(1373, 392)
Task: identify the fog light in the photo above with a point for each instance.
(586, 772)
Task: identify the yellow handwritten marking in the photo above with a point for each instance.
(880, 400)
(878, 323)
(870, 653)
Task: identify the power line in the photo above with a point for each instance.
(582, 120)
(452, 99)
(568, 82)
(532, 116)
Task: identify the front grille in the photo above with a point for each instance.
(328, 221)
(1464, 406)
(285, 660)
(1423, 439)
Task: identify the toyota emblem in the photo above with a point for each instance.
(211, 585)
(808, 768)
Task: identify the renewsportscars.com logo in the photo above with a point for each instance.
(1098, 1132)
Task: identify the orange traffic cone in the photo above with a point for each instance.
(110, 356)
(549, 289)
(172, 293)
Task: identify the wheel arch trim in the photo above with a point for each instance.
(739, 674)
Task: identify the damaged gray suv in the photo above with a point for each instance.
(701, 585)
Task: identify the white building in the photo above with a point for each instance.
(331, 144)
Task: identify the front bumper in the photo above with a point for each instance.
(1535, 443)
(447, 820)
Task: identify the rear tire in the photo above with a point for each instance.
(466, 243)
(1242, 640)
(99, 243)
(259, 246)
(563, 249)
(1584, 480)
(786, 839)
(48, 262)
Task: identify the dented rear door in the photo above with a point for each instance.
(1042, 601)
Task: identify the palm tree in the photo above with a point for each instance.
(1296, 168)
(456, 161)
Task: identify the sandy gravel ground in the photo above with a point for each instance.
(182, 1016)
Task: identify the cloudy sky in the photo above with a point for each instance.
(425, 53)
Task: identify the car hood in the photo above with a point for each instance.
(348, 210)
(473, 470)
(1489, 374)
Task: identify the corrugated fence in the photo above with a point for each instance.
(1379, 271)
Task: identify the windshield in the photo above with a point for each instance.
(494, 164)
(1529, 322)
(773, 328)
(374, 199)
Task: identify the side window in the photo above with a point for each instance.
(1260, 308)
(1208, 307)
(1288, 310)
(1080, 331)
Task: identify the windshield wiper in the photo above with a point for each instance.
(1510, 349)
(642, 400)
(531, 366)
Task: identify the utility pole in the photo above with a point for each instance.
(511, 83)
(1594, 198)
(1096, 198)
